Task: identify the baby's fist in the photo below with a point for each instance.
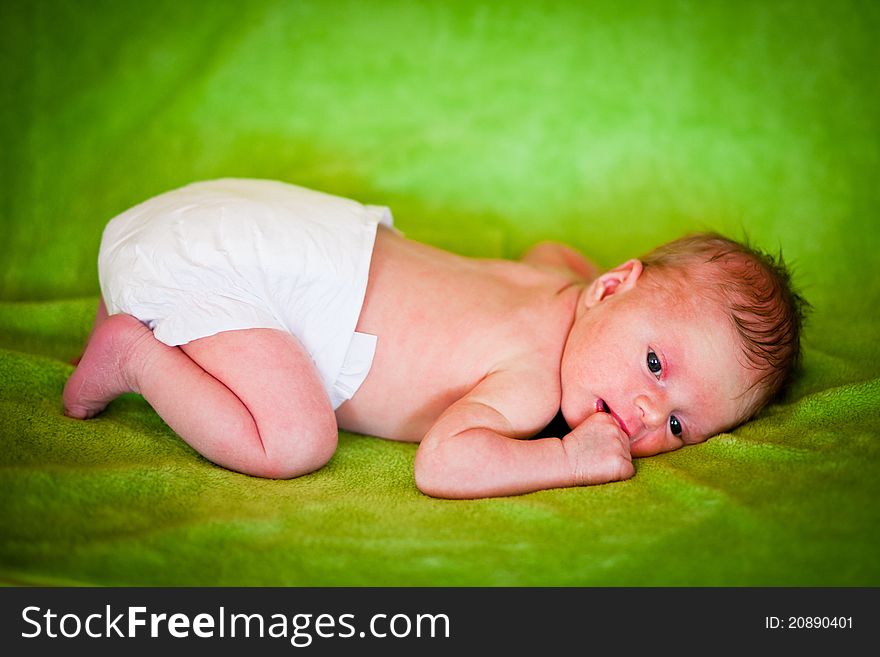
(598, 451)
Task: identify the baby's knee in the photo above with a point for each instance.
(309, 449)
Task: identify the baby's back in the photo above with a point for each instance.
(443, 323)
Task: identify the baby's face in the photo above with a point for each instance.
(667, 369)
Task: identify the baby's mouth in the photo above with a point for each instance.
(602, 407)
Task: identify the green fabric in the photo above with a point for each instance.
(486, 127)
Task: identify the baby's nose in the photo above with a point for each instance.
(652, 415)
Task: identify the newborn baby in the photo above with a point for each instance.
(257, 318)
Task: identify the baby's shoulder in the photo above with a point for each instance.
(525, 393)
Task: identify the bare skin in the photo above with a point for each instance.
(468, 363)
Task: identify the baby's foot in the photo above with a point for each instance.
(100, 316)
(103, 372)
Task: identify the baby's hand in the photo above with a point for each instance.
(598, 451)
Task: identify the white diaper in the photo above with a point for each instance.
(237, 253)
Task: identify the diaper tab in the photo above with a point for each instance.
(382, 214)
(355, 367)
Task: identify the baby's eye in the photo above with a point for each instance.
(674, 425)
(654, 363)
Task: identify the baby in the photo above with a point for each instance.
(258, 317)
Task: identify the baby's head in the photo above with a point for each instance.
(690, 340)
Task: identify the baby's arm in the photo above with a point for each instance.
(561, 257)
(475, 448)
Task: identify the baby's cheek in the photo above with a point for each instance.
(564, 403)
(573, 403)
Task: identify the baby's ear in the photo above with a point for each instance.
(620, 279)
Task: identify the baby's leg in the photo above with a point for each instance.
(249, 400)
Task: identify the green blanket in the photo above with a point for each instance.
(485, 127)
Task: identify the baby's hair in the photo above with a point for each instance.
(757, 291)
